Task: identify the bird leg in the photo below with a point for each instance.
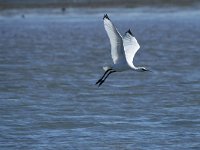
(103, 80)
(103, 76)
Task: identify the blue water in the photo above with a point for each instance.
(49, 63)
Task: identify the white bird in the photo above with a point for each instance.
(123, 50)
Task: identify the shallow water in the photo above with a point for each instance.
(49, 64)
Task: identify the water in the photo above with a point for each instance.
(50, 62)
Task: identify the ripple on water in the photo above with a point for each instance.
(49, 65)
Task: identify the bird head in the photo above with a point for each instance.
(142, 69)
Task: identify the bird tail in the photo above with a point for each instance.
(106, 68)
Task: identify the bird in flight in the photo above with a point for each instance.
(123, 50)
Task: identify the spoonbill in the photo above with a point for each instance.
(123, 50)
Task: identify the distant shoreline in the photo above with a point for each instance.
(101, 4)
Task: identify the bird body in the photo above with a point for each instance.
(119, 67)
(123, 50)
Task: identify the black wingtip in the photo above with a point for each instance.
(129, 31)
(106, 16)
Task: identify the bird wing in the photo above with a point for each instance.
(131, 46)
(116, 42)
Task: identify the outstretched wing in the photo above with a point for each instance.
(116, 43)
(131, 46)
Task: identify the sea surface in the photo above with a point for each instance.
(50, 61)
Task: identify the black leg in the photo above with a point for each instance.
(103, 80)
(103, 76)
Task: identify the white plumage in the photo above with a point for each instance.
(116, 42)
(131, 46)
(123, 50)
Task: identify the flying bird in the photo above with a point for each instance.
(123, 50)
